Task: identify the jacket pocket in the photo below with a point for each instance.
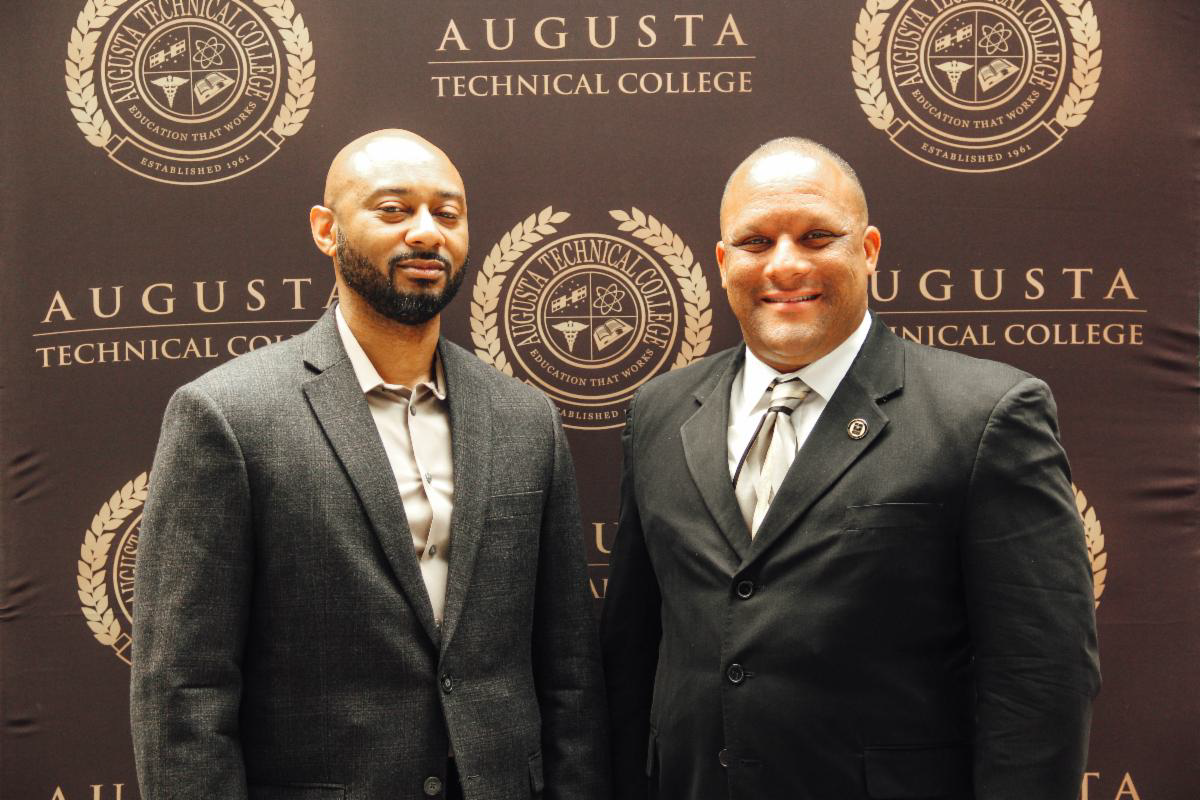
(882, 516)
(298, 791)
(537, 781)
(900, 773)
(522, 504)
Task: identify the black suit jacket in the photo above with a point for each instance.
(914, 618)
(284, 643)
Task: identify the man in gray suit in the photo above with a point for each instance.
(903, 612)
(361, 571)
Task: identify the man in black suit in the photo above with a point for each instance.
(360, 572)
(906, 611)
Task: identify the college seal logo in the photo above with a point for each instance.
(189, 91)
(106, 561)
(976, 85)
(589, 316)
(1094, 540)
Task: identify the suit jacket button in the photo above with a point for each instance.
(735, 673)
(433, 786)
(447, 684)
(723, 757)
(745, 589)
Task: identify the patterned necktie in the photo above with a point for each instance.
(769, 454)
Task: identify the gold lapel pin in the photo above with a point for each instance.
(857, 428)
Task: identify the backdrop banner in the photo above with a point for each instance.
(1032, 165)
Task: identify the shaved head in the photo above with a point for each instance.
(779, 155)
(364, 156)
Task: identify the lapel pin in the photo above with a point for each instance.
(857, 428)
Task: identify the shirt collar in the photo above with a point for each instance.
(365, 372)
(823, 376)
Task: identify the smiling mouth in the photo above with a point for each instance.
(793, 299)
(422, 268)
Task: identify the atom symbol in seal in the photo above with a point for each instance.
(608, 299)
(209, 53)
(995, 38)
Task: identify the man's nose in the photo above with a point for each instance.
(423, 232)
(789, 259)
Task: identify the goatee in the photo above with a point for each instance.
(380, 292)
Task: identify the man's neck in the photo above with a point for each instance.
(402, 354)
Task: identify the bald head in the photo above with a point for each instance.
(784, 156)
(357, 164)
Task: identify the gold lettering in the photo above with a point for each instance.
(170, 299)
(541, 39)
(1121, 281)
(923, 286)
(58, 305)
(452, 34)
(297, 302)
(647, 30)
(730, 28)
(491, 33)
(688, 19)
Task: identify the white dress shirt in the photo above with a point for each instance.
(748, 397)
(414, 425)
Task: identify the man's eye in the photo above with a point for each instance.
(392, 209)
(819, 236)
(754, 241)
(450, 215)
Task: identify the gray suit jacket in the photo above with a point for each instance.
(284, 643)
(914, 618)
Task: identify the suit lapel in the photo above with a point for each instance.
(705, 448)
(877, 373)
(471, 436)
(341, 409)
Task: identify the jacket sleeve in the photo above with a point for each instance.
(1030, 606)
(191, 599)
(566, 653)
(631, 630)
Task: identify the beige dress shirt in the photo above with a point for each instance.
(414, 424)
(748, 397)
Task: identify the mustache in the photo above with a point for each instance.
(422, 255)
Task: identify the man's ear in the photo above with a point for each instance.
(721, 261)
(872, 241)
(324, 229)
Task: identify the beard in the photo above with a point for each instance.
(380, 292)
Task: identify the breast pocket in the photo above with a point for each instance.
(897, 517)
(514, 506)
(298, 791)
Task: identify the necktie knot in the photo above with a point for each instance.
(786, 395)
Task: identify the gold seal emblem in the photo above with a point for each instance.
(200, 91)
(588, 317)
(976, 86)
(856, 428)
(116, 521)
(1094, 540)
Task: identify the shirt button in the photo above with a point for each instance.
(745, 589)
(723, 758)
(428, 477)
(735, 674)
(447, 684)
(433, 786)
(412, 410)
(433, 549)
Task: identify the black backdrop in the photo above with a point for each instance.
(1061, 237)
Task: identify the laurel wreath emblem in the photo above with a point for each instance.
(1094, 539)
(1085, 72)
(93, 557)
(697, 330)
(81, 55)
(485, 333)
